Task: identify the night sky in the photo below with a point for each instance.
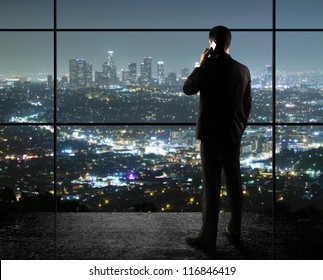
(32, 52)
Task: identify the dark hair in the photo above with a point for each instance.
(221, 35)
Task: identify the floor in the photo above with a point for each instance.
(150, 236)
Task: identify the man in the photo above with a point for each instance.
(225, 103)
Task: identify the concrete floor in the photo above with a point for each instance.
(151, 236)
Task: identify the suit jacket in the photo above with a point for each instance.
(225, 98)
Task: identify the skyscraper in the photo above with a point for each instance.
(132, 67)
(171, 79)
(145, 71)
(268, 76)
(80, 73)
(129, 76)
(160, 72)
(185, 72)
(109, 70)
(50, 81)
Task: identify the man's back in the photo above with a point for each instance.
(225, 98)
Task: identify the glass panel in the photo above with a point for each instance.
(26, 176)
(299, 77)
(299, 14)
(299, 192)
(27, 166)
(104, 168)
(299, 166)
(256, 169)
(113, 80)
(26, 77)
(164, 14)
(23, 14)
(242, 48)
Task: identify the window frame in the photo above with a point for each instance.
(273, 124)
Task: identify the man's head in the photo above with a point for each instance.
(222, 37)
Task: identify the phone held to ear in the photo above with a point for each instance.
(213, 46)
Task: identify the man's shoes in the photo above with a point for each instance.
(233, 238)
(198, 243)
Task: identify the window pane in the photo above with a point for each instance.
(299, 192)
(299, 166)
(27, 192)
(242, 48)
(112, 80)
(103, 168)
(299, 77)
(26, 170)
(23, 14)
(299, 14)
(26, 77)
(164, 14)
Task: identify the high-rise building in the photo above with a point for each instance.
(80, 73)
(129, 76)
(109, 70)
(125, 76)
(132, 67)
(171, 79)
(98, 77)
(145, 71)
(268, 76)
(185, 72)
(160, 72)
(50, 81)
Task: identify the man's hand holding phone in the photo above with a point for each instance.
(207, 51)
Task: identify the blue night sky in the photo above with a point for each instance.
(33, 51)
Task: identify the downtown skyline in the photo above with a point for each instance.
(33, 51)
(25, 54)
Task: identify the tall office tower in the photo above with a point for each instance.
(98, 78)
(125, 73)
(160, 72)
(171, 79)
(269, 76)
(109, 71)
(132, 67)
(145, 71)
(50, 81)
(88, 74)
(185, 72)
(80, 73)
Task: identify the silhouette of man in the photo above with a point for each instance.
(225, 103)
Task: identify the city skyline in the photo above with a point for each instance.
(24, 54)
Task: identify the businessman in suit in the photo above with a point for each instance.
(225, 103)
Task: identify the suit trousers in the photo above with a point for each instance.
(215, 158)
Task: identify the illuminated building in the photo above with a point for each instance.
(171, 79)
(268, 76)
(109, 71)
(185, 72)
(160, 72)
(129, 76)
(132, 67)
(80, 73)
(145, 71)
(49, 81)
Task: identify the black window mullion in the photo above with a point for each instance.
(274, 122)
(55, 126)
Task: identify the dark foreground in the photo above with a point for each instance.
(152, 236)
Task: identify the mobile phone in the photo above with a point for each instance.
(213, 45)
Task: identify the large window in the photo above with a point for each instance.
(93, 117)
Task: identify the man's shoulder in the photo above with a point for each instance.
(241, 68)
(240, 65)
